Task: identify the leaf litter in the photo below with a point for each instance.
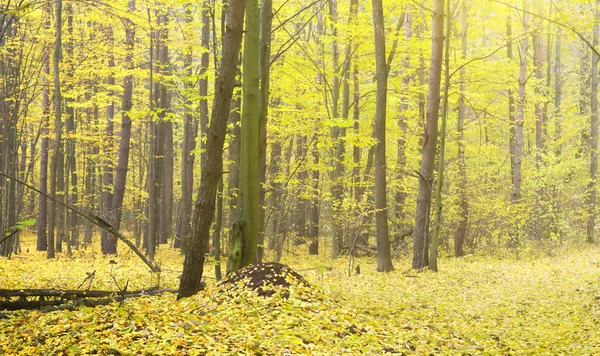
(473, 306)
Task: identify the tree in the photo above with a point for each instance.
(384, 260)
(435, 238)
(461, 230)
(421, 241)
(591, 225)
(124, 143)
(243, 245)
(264, 64)
(42, 242)
(57, 145)
(193, 264)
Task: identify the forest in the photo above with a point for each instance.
(299, 177)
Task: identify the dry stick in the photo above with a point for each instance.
(94, 219)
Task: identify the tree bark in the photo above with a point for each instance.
(42, 238)
(384, 260)
(249, 198)
(421, 241)
(107, 242)
(125, 139)
(463, 205)
(56, 154)
(266, 20)
(193, 265)
(592, 191)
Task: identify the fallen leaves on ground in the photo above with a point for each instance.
(474, 305)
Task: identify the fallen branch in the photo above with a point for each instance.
(96, 220)
(67, 299)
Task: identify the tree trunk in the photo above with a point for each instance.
(463, 204)
(313, 229)
(125, 139)
(193, 265)
(108, 242)
(407, 81)
(591, 225)
(42, 238)
(266, 20)
(337, 149)
(540, 230)
(420, 248)
(384, 260)
(249, 198)
(435, 240)
(233, 179)
(190, 130)
(56, 154)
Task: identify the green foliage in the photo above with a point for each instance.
(19, 226)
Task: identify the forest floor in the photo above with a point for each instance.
(474, 305)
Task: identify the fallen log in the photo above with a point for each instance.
(51, 299)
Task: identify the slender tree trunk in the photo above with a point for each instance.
(151, 184)
(520, 114)
(42, 238)
(108, 242)
(125, 139)
(277, 195)
(164, 147)
(421, 241)
(337, 150)
(266, 20)
(191, 128)
(435, 240)
(407, 81)
(71, 193)
(591, 226)
(56, 154)
(384, 260)
(540, 223)
(193, 265)
(558, 117)
(313, 229)
(463, 205)
(233, 179)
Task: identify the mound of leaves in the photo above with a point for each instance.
(266, 279)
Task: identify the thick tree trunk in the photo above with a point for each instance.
(421, 241)
(249, 196)
(193, 265)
